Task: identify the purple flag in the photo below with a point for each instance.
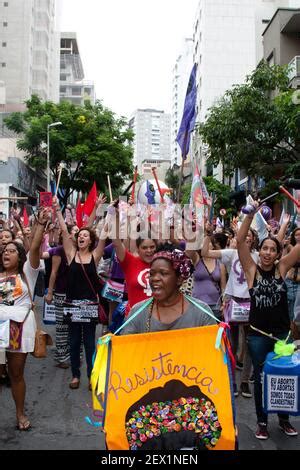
(189, 115)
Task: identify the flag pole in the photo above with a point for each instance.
(134, 183)
(287, 194)
(182, 166)
(109, 188)
(58, 179)
(158, 186)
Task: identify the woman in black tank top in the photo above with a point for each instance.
(81, 308)
(268, 311)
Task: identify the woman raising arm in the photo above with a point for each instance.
(269, 316)
(17, 282)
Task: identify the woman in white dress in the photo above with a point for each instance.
(19, 274)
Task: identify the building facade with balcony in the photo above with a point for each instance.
(227, 47)
(152, 135)
(73, 88)
(282, 44)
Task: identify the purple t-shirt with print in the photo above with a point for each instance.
(116, 270)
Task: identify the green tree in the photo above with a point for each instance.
(91, 142)
(186, 193)
(221, 193)
(172, 181)
(255, 126)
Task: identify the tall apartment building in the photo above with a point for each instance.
(29, 64)
(73, 87)
(181, 74)
(152, 135)
(29, 50)
(227, 47)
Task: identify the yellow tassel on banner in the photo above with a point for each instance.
(98, 377)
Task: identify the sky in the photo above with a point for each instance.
(129, 47)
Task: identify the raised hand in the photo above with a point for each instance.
(43, 216)
(101, 200)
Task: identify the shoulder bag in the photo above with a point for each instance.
(42, 339)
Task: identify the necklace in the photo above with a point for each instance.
(6, 276)
(170, 305)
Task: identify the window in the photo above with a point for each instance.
(4, 44)
(3, 64)
(5, 4)
(63, 77)
(4, 24)
(76, 91)
(242, 176)
(63, 89)
(265, 21)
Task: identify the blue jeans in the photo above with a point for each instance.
(87, 331)
(259, 347)
(292, 288)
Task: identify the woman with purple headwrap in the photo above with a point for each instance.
(170, 309)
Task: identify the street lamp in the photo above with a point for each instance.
(48, 152)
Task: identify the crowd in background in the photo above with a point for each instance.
(100, 267)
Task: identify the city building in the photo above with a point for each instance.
(29, 64)
(227, 47)
(152, 135)
(282, 47)
(181, 74)
(29, 50)
(160, 166)
(73, 87)
(281, 42)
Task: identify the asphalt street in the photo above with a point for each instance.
(58, 413)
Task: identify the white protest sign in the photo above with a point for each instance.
(282, 393)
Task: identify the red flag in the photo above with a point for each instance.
(25, 218)
(79, 214)
(90, 201)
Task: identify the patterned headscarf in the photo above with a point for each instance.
(180, 262)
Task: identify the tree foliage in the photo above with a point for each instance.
(172, 181)
(91, 142)
(221, 194)
(255, 126)
(186, 193)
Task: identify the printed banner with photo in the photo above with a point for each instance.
(167, 390)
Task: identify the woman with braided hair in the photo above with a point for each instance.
(170, 309)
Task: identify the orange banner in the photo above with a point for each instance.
(168, 389)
